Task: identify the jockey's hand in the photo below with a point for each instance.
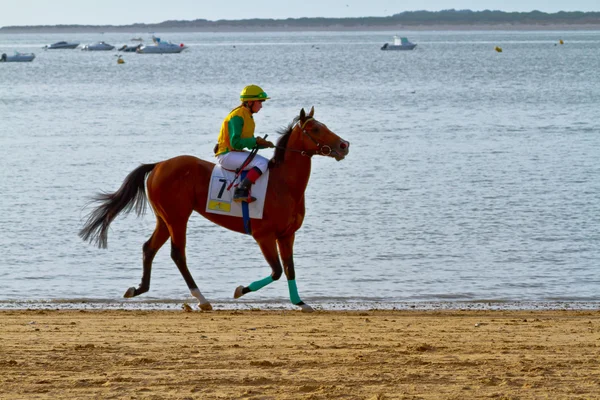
(263, 143)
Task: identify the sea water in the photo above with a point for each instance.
(473, 176)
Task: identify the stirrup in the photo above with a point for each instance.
(241, 195)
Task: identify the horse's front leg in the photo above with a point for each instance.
(286, 251)
(268, 246)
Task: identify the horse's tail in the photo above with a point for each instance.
(132, 193)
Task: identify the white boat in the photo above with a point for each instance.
(400, 43)
(61, 45)
(160, 47)
(17, 57)
(100, 46)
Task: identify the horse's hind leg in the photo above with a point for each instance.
(178, 241)
(268, 247)
(151, 247)
(286, 250)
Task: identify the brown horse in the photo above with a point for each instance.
(180, 185)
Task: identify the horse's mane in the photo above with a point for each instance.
(282, 143)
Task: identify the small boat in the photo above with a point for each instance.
(61, 45)
(129, 48)
(100, 46)
(17, 57)
(137, 39)
(400, 43)
(160, 47)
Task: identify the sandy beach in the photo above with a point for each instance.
(289, 355)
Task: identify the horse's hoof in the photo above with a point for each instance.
(129, 293)
(238, 292)
(205, 307)
(306, 308)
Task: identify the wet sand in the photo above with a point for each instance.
(448, 354)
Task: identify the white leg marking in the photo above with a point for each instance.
(196, 293)
(204, 304)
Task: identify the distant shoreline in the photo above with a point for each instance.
(444, 20)
(398, 28)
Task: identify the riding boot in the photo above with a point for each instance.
(242, 192)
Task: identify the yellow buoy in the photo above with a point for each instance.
(120, 60)
(498, 49)
(561, 41)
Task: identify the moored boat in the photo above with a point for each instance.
(17, 57)
(129, 48)
(160, 47)
(400, 43)
(100, 46)
(61, 45)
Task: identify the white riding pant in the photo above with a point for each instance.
(234, 159)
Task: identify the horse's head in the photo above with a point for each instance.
(317, 139)
(309, 137)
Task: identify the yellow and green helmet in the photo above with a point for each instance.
(253, 93)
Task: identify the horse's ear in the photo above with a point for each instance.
(302, 115)
(312, 112)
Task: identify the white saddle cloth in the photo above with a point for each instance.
(220, 200)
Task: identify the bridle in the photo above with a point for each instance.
(323, 150)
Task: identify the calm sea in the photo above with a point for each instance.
(473, 176)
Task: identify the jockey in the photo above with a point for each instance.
(237, 134)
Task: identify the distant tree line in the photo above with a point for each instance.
(406, 19)
(495, 17)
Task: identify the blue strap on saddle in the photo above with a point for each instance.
(246, 209)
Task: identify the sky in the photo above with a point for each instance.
(125, 12)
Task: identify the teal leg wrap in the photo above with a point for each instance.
(254, 286)
(294, 297)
